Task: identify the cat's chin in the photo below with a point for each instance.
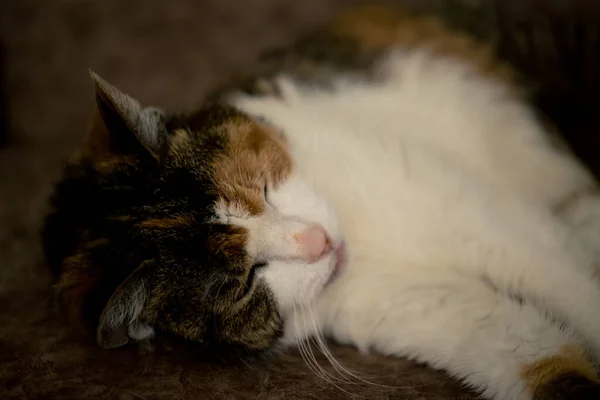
(301, 320)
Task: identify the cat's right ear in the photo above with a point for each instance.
(126, 126)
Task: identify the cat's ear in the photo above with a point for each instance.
(128, 124)
(119, 321)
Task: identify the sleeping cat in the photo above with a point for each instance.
(385, 183)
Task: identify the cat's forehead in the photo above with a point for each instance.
(243, 156)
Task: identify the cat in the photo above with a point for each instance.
(386, 182)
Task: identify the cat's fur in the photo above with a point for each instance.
(392, 188)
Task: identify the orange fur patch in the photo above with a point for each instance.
(255, 156)
(230, 243)
(166, 223)
(570, 359)
(379, 28)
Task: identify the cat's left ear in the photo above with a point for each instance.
(123, 116)
(120, 319)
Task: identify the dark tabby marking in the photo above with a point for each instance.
(133, 225)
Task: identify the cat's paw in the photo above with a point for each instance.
(569, 387)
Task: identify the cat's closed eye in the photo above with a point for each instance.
(266, 195)
(251, 277)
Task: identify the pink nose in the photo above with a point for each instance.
(314, 243)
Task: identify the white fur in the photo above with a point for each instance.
(445, 187)
(291, 208)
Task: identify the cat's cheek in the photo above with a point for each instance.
(295, 284)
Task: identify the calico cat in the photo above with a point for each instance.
(386, 182)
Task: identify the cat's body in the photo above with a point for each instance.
(419, 208)
(435, 213)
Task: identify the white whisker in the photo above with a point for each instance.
(341, 369)
(320, 371)
(307, 357)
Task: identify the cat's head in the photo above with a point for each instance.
(196, 225)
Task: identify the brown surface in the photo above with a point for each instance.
(168, 55)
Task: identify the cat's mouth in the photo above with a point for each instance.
(339, 259)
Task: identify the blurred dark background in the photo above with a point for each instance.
(167, 53)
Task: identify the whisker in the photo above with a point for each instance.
(341, 369)
(310, 361)
(318, 340)
(322, 372)
(213, 279)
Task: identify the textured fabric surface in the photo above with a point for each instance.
(167, 53)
